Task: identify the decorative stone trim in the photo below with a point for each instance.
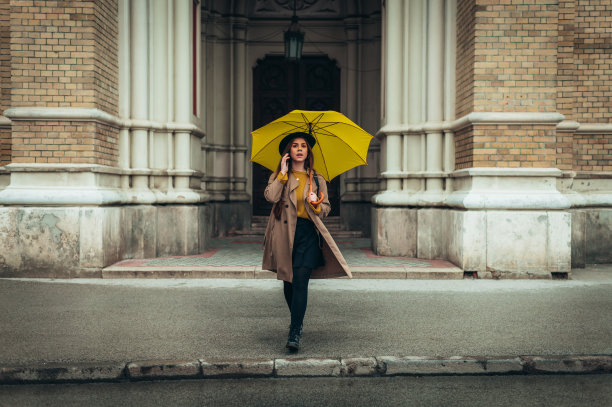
(62, 113)
(595, 128)
(506, 118)
(5, 122)
(471, 119)
(507, 172)
(507, 188)
(39, 167)
(99, 116)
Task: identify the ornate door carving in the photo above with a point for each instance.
(280, 87)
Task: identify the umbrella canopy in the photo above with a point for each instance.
(341, 144)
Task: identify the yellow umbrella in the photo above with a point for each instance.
(341, 144)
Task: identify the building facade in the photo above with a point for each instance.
(125, 127)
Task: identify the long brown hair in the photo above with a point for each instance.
(308, 164)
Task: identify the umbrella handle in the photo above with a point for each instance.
(321, 195)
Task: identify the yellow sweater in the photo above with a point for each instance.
(301, 176)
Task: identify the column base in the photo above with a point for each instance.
(492, 243)
(67, 242)
(591, 236)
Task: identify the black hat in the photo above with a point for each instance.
(288, 138)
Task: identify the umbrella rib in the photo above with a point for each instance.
(322, 155)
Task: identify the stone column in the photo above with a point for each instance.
(124, 88)
(435, 92)
(450, 56)
(412, 141)
(393, 91)
(182, 91)
(159, 67)
(140, 92)
(240, 109)
(351, 27)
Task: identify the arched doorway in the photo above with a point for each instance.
(280, 87)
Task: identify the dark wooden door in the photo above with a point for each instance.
(280, 87)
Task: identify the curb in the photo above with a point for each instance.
(381, 366)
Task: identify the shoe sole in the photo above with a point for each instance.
(292, 347)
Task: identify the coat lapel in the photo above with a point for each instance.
(293, 184)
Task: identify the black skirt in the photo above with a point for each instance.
(306, 248)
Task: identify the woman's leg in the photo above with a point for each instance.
(299, 300)
(288, 291)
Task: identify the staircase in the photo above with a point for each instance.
(258, 228)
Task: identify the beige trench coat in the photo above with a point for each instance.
(278, 240)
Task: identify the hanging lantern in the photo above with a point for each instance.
(294, 40)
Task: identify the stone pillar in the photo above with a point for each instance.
(182, 92)
(393, 91)
(159, 67)
(415, 113)
(435, 93)
(140, 92)
(240, 131)
(125, 86)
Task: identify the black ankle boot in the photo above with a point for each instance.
(300, 331)
(293, 341)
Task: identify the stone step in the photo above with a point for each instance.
(332, 223)
(255, 272)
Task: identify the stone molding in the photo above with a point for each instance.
(5, 122)
(471, 119)
(86, 184)
(98, 116)
(501, 188)
(488, 188)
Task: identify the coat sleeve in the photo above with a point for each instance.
(325, 206)
(274, 189)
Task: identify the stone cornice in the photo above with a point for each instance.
(98, 116)
(507, 172)
(5, 122)
(594, 128)
(473, 119)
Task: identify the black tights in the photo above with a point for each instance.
(296, 294)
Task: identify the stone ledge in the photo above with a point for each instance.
(154, 370)
(245, 368)
(563, 364)
(60, 373)
(255, 272)
(306, 367)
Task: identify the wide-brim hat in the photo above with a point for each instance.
(290, 137)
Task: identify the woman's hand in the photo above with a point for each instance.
(312, 198)
(285, 164)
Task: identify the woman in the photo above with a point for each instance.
(297, 245)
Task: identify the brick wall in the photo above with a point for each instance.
(593, 61)
(565, 57)
(5, 79)
(593, 152)
(464, 148)
(64, 54)
(506, 146)
(106, 68)
(465, 57)
(515, 61)
(64, 142)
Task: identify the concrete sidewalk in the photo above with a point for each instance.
(139, 329)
